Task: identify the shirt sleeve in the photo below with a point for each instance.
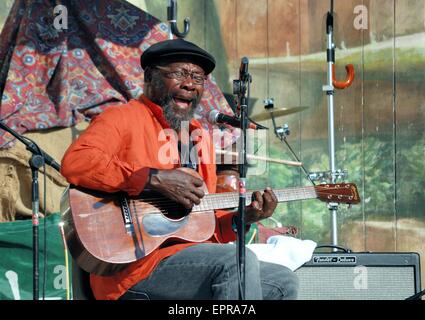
(92, 160)
(224, 232)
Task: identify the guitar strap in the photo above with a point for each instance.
(185, 150)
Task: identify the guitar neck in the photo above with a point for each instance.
(229, 200)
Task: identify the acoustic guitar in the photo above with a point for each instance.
(106, 232)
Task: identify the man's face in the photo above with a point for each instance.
(177, 87)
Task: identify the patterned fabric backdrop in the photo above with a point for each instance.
(52, 77)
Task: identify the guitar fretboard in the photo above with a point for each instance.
(229, 200)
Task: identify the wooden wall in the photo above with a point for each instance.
(379, 120)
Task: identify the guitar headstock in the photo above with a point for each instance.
(338, 193)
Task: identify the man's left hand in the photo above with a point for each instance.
(261, 207)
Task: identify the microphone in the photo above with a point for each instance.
(243, 69)
(216, 117)
(31, 146)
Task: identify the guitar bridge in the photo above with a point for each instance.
(126, 214)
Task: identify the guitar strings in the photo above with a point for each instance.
(235, 193)
(228, 195)
(168, 204)
(231, 195)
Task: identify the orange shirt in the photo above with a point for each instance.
(114, 154)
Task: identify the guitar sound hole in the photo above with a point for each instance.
(176, 212)
(170, 209)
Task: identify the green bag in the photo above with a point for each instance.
(16, 261)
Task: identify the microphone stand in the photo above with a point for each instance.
(240, 88)
(38, 159)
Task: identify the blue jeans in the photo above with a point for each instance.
(209, 271)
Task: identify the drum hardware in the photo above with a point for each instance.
(281, 132)
(254, 157)
(324, 176)
(272, 112)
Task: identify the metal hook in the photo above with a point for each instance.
(349, 67)
(348, 80)
(172, 19)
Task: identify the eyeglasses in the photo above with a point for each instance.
(181, 74)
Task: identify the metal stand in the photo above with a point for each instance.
(330, 90)
(36, 162)
(240, 87)
(282, 133)
(38, 159)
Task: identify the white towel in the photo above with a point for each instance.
(287, 251)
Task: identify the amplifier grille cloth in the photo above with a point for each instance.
(343, 283)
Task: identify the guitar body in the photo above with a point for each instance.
(106, 232)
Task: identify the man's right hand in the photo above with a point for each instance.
(177, 185)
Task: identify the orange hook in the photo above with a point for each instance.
(348, 81)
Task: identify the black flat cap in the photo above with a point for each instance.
(177, 50)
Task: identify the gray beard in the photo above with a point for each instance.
(172, 119)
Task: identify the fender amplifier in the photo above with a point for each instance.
(360, 276)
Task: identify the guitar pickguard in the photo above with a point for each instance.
(156, 225)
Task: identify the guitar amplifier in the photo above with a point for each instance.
(360, 276)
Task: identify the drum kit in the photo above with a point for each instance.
(270, 113)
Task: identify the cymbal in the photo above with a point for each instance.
(276, 113)
(220, 152)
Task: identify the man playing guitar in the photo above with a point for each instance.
(123, 151)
